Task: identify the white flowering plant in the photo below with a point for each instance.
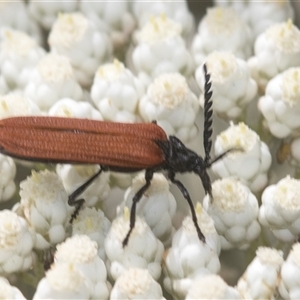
(141, 62)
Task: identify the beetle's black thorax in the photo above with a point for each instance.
(178, 158)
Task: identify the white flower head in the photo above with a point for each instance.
(189, 257)
(260, 15)
(232, 86)
(290, 271)
(45, 13)
(15, 15)
(276, 50)
(79, 249)
(261, 277)
(172, 104)
(16, 243)
(70, 108)
(116, 92)
(280, 209)
(250, 160)
(17, 42)
(211, 287)
(51, 80)
(44, 203)
(222, 29)
(280, 105)
(76, 37)
(19, 54)
(55, 68)
(15, 104)
(136, 283)
(142, 251)
(82, 253)
(159, 45)
(174, 10)
(71, 27)
(234, 210)
(63, 280)
(157, 205)
(116, 20)
(157, 29)
(94, 224)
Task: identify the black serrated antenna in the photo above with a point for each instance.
(207, 130)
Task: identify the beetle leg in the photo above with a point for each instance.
(77, 203)
(148, 177)
(186, 195)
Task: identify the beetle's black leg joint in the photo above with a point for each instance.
(137, 197)
(186, 195)
(77, 203)
(208, 111)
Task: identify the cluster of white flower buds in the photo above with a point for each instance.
(139, 62)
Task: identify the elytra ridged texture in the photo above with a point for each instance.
(70, 140)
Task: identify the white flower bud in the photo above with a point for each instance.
(280, 209)
(136, 283)
(45, 13)
(95, 225)
(8, 173)
(250, 162)
(63, 281)
(142, 251)
(234, 210)
(261, 277)
(289, 287)
(175, 10)
(73, 176)
(74, 36)
(16, 243)
(276, 49)
(15, 104)
(189, 257)
(44, 204)
(82, 252)
(172, 104)
(8, 291)
(116, 92)
(232, 86)
(70, 108)
(222, 29)
(116, 20)
(211, 287)
(18, 56)
(260, 15)
(157, 205)
(280, 105)
(51, 80)
(14, 14)
(161, 49)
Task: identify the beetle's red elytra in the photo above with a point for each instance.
(78, 141)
